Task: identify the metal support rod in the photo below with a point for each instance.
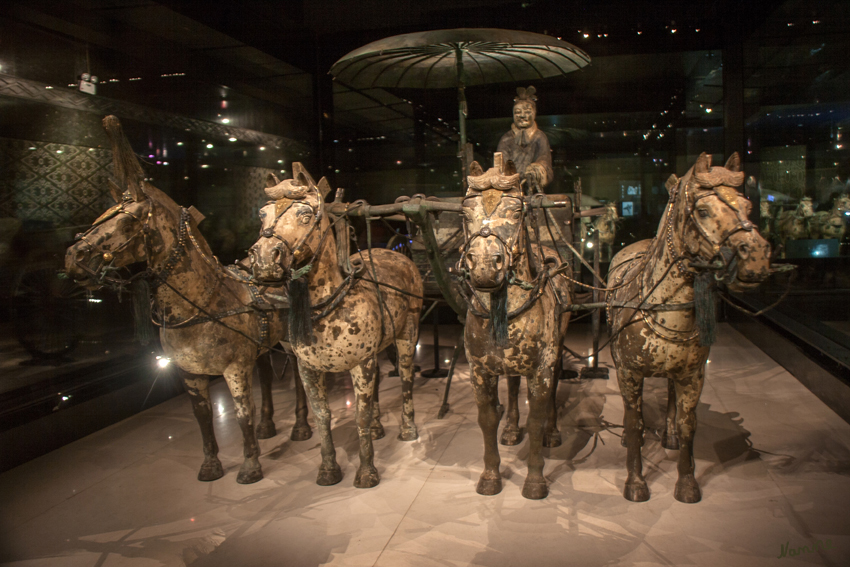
(594, 370)
(437, 371)
(444, 409)
(596, 283)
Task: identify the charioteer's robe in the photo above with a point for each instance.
(525, 147)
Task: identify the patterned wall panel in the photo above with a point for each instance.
(57, 184)
(785, 176)
(251, 184)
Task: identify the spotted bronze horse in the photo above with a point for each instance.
(661, 306)
(514, 325)
(208, 326)
(339, 321)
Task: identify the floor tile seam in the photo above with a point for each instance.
(415, 498)
(74, 495)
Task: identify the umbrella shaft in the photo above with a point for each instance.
(461, 109)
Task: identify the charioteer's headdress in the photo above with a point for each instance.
(527, 95)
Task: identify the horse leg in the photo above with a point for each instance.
(512, 434)
(238, 376)
(687, 397)
(198, 388)
(406, 349)
(363, 377)
(552, 435)
(669, 438)
(631, 388)
(314, 384)
(539, 396)
(486, 387)
(376, 427)
(266, 428)
(301, 431)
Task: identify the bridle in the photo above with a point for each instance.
(724, 258)
(300, 251)
(511, 246)
(107, 258)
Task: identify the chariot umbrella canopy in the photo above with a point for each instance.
(458, 58)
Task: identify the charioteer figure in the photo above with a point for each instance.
(526, 145)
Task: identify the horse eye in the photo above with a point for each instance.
(304, 219)
(702, 212)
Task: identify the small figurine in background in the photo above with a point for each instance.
(526, 145)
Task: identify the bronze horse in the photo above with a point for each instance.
(191, 290)
(661, 306)
(339, 322)
(514, 324)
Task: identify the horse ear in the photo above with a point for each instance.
(475, 169)
(671, 182)
(734, 162)
(703, 163)
(298, 170)
(272, 180)
(301, 179)
(115, 191)
(137, 191)
(324, 187)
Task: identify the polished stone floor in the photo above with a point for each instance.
(772, 460)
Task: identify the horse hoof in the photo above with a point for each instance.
(266, 430)
(210, 470)
(552, 439)
(511, 436)
(535, 490)
(408, 434)
(249, 475)
(367, 477)
(377, 431)
(489, 486)
(329, 477)
(670, 441)
(636, 491)
(687, 491)
(301, 433)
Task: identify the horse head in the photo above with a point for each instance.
(116, 238)
(492, 219)
(291, 231)
(717, 232)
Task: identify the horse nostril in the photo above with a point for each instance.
(276, 255)
(499, 259)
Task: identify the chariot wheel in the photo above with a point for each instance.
(401, 244)
(45, 311)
